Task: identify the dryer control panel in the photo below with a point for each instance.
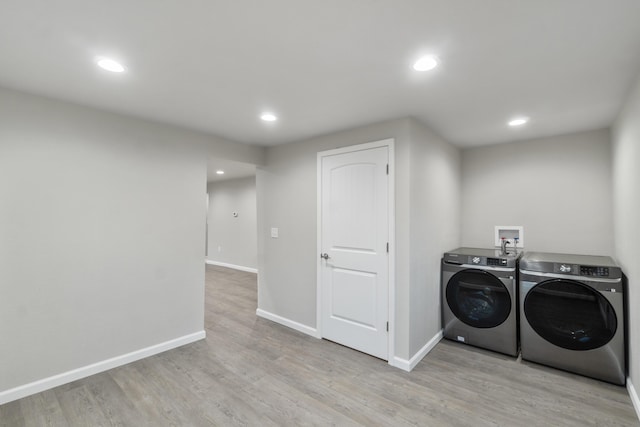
(587, 270)
(581, 270)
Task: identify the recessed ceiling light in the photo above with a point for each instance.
(268, 117)
(519, 121)
(110, 65)
(220, 172)
(426, 63)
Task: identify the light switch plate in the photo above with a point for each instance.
(274, 232)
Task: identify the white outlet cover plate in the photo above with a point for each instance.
(500, 230)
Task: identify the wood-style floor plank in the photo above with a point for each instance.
(42, 409)
(252, 372)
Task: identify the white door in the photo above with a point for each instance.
(354, 258)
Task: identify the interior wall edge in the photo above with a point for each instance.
(626, 206)
(634, 396)
(408, 365)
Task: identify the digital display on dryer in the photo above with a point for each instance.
(587, 270)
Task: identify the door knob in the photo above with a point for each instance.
(324, 256)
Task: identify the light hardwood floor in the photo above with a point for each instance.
(250, 371)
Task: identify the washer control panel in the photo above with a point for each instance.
(481, 260)
(497, 261)
(490, 258)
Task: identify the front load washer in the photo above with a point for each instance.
(479, 298)
(572, 314)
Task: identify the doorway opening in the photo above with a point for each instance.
(231, 225)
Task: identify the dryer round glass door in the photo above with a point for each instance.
(478, 298)
(570, 314)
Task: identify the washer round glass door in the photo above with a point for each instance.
(570, 314)
(478, 298)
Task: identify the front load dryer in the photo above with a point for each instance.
(572, 314)
(479, 298)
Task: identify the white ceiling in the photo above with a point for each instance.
(329, 65)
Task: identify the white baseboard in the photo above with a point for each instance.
(235, 267)
(408, 365)
(634, 396)
(25, 390)
(288, 323)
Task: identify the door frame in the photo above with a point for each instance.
(389, 143)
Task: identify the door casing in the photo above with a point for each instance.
(389, 143)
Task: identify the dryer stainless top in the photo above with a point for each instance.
(574, 265)
(480, 256)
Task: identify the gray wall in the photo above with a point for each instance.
(286, 188)
(233, 240)
(558, 188)
(435, 186)
(102, 224)
(626, 204)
